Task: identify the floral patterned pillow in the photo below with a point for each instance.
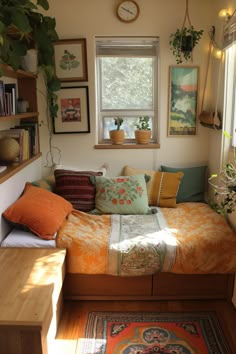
(121, 195)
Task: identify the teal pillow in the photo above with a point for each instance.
(121, 195)
(192, 184)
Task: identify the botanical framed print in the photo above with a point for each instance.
(183, 100)
(73, 111)
(70, 57)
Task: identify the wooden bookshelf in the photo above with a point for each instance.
(26, 84)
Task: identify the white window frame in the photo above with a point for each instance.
(101, 114)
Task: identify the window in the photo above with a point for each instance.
(230, 78)
(230, 91)
(126, 84)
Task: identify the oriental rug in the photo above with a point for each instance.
(153, 332)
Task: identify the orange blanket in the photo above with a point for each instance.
(191, 238)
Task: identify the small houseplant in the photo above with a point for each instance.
(224, 187)
(183, 41)
(143, 130)
(23, 27)
(117, 135)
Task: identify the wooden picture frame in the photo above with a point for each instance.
(183, 100)
(70, 59)
(73, 112)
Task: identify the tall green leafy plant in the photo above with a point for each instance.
(22, 27)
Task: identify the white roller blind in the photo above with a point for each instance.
(145, 47)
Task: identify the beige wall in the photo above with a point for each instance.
(90, 18)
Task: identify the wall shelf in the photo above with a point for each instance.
(26, 84)
(16, 167)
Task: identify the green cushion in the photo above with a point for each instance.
(121, 195)
(192, 185)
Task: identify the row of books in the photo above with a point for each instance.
(26, 135)
(8, 99)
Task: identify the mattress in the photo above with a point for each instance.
(21, 238)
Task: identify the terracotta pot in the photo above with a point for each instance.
(143, 136)
(117, 136)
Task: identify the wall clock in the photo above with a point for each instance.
(127, 10)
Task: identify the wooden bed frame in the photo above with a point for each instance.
(160, 286)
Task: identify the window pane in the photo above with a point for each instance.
(127, 83)
(128, 126)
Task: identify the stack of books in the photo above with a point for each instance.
(8, 99)
(26, 135)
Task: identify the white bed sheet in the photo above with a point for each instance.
(21, 238)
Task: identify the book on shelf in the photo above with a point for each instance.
(2, 168)
(2, 99)
(10, 97)
(32, 127)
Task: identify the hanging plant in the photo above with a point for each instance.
(183, 41)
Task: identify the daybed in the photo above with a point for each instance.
(152, 245)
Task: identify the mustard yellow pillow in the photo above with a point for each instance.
(162, 188)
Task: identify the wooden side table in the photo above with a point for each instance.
(30, 298)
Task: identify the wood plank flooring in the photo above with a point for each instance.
(74, 316)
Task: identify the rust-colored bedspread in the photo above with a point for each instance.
(191, 238)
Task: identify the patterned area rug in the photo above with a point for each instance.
(150, 333)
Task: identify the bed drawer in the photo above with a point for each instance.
(195, 286)
(106, 285)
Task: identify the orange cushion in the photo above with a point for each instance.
(162, 188)
(39, 210)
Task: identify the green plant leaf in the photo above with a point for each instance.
(44, 4)
(21, 21)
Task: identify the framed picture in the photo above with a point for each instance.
(183, 97)
(73, 112)
(70, 57)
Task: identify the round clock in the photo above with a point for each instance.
(127, 11)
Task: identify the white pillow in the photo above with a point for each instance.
(21, 238)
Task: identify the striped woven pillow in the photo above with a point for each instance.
(77, 188)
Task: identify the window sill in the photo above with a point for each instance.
(128, 146)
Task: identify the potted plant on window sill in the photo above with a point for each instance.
(143, 132)
(117, 135)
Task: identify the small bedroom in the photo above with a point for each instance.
(117, 176)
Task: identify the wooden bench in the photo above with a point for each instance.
(30, 298)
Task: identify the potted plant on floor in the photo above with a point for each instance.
(23, 27)
(117, 135)
(143, 130)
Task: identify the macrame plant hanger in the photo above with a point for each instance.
(186, 20)
(207, 119)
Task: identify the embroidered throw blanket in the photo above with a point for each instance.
(125, 245)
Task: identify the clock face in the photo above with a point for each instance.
(127, 11)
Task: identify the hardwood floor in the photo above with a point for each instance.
(74, 315)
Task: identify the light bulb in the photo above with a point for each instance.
(224, 14)
(217, 53)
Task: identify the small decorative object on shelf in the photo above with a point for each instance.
(117, 136)
(9, 149)
(183, 41)
(143, 132)
(22, 105)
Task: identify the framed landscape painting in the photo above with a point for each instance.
(73, 112)
(183, 100)
(70, 57)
